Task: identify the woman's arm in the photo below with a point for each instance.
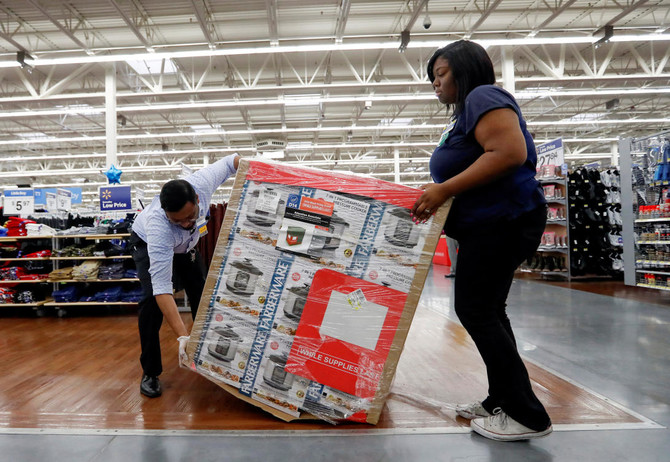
(499, 133)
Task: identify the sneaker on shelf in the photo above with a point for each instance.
(473, 410)
(501, 427)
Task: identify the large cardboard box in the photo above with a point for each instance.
(311, 291)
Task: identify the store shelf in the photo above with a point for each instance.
(555, 179)
(652, 220)
(558, 200)
(87, 303)
(664, 273)
(18, 238)
(653, 262)
(91, 258)
(25, 259)
(553, 249)
(95, 280)
(23, 304)
(20, 281)
(653, 242)
(562, 222)
(91, 236)
(652, 286)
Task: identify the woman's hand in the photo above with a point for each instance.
(435, 194)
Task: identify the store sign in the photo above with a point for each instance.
(52, 203)
(63, 200)
(19, 201)
(550, 153)
(41, 198)
(114, 198)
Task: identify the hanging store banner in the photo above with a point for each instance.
(52, 203)
(113, 198)
(550, 153)
(19, 201)
(41, 198)
(63, 200)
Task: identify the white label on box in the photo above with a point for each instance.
(359, 327)
(268, 201)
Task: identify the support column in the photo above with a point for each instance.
(396, 164)
(110, 114)
(614, 150)
(507, 58)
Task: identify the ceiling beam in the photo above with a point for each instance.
(342, 17)
(483, 17)
(557, 12)
(60, 27)
(273, 34)
(415, 14)
(131, 24)
(632, 7)
(202, 21)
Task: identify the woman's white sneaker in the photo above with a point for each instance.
(501, 427)
(472, 410)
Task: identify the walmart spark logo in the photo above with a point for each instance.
(106, 194)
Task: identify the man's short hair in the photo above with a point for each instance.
(175, 194)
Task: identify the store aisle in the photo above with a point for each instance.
(615, 347)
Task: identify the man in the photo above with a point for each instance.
(163, 240)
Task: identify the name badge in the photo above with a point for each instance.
(445, 134)
(201, 226)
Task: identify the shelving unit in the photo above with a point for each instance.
(55, 242)
(641, 253)
(555, 256)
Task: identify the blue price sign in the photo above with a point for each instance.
(113, 198)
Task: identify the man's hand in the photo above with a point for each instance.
(183, 357)
(236, 161)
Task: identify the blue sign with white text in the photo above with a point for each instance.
(41, 197)
(114, 198)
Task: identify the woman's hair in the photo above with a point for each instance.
(470, 67)
(175, 194)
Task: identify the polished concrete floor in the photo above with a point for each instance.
(618, 348)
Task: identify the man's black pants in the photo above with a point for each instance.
(487, 260)
(188, 272)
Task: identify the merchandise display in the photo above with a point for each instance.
(596, 242)
(552, 256)
(311, 291)
(650, 187)
(36, 267)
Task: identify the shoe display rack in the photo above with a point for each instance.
(552, 258)
(594, 204)
(54, 243)
(646, 223)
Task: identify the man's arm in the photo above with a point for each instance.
(170, 311)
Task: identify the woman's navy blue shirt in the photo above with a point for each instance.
(504, 199)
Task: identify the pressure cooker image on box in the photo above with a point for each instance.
(400, 230)
(295, 301)
(242, 278)
(226, 343)
(261, 217)
(275, 375)
(321, 243)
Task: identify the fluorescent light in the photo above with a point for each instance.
(397, 122)
(585, 117)
(325, 47)
(152, 65)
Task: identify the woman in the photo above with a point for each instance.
(486, 160)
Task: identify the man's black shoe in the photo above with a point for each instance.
(151, 387)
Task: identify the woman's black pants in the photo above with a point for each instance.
(487, 260)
